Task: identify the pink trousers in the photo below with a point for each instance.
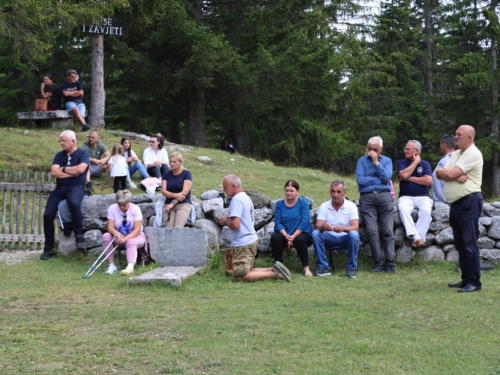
(131, 245)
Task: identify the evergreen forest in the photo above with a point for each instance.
(298, 82)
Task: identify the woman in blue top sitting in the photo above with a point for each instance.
(292, 226)
(176, 187)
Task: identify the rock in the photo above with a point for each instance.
(363, 235)
(273, 204)
(485, 243)
(310, 201)
(496, 204)
(224, 240)
(490, 210)
(490, 255)
(67, 244)
(482, 229)
(429, 239)
(448, 248)
(213, 231)
(430, 254)
(174, 247)
(97, 205)
(146, 198)
(95, 251)
(95, 223)
(437, 226)
(217, 214)
(204, 158)
(264, 235)
(210, 194)
(497, 245)
(368, 251)
(441, 205)
(397, 219)
(151, 221)
(404, 254)
(211, 205)
(92, 238)
(414, 215)
(441, 214)
(485, 220)
(259, 200)
(262, 216)
(147, 209)
(452, 256)
(494, 229)
(26, 132)
(164, 275)
(199, 210)
(444, 237)
(399, 236)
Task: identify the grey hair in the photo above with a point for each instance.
(123, 196)
(68, 133)
(233, 179)
(416, 144)
(70, 71)
(449, 141)
(376, 139)
(339, 182)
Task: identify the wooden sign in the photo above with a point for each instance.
(108, 26)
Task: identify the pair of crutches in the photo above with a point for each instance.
(98, 261)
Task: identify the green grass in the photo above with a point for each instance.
(53, 321)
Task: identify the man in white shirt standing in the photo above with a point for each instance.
(448, 145)
(337, 224)
(244, 240)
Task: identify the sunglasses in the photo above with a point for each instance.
(124, 221)
(67, 160)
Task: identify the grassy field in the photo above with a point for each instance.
(52, 321)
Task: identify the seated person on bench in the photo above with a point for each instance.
(49, 90)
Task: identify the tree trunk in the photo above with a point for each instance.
(494, 114)
(241, 138)
(195, 117)
(98, 98)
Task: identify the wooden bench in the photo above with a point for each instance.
(49, 119)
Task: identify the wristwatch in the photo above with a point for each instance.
(226, 221)
(64, 169)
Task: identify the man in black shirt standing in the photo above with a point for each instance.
(70, 170)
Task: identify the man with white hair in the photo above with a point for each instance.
(376, 204)
(244, 240)
(70, 171)
(415, 179)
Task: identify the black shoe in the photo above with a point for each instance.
(85, 127)
(469, 288)
(67, 231)
(47, 255)
(80, 244)
(390, 269)
(457, 285)
(378, 269)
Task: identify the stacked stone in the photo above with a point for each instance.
(212, 205)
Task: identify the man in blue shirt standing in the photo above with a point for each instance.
(373, 175)
(415, 178)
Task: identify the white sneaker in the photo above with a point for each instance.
(131, 185)
(111, 270)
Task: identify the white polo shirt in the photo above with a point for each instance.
(344, 216)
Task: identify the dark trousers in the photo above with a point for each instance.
(377, 210)
(158, 171)
(74, 195)
(301, 243)
(119, 183)
(464, 220)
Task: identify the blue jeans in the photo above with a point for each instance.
(326, 240)
(137, 166)
(464, 217)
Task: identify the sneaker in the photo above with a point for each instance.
(127, 271)
(390, 269)
(351, 274)
(378, 269)
(47, 255)
(323, 272)
(85, 127)
(89, 187)
(280, 269)
(131, 185)
(111, 270)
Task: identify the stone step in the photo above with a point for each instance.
(164, 275)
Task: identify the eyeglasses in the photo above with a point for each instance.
(372, 149)
(67, 160)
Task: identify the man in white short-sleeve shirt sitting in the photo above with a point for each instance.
(337, 225)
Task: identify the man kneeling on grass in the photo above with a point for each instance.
(243, 238)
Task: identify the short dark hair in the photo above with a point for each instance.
(292, 183)
(449, 140)
(70, 71)
(48, 75)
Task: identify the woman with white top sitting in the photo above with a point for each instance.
(133, 162)
(155, 157)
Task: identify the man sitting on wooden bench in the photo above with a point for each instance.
(72, 91)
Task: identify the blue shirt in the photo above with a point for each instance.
(370, 177)
(292, 218)
(78, 157)
(412, 189)
(175, 184)
(77, 86)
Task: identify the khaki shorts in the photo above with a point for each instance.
(243, 257)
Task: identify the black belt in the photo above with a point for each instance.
(375, 192)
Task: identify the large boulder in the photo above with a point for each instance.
(431, 253)
(217, 214)
(147, 209)
(92, 238)
(211, 205)
(210, 194)
(93, 222)
(485, 243)
(494, 229)
(259, 200)
(437, 226)
(441, 214)
(262, 216)
(174, 247)
(444, 237)
(405, 253)
(264, 235)
(198, 210)
(213, 231)
(490, 210)
(490, 255)
(452, 256)
(224, 240)
(97, 205)
(485, 220)
(399, 236)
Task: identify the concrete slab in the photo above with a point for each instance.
(164, 275)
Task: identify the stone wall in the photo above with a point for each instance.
(438, 245)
